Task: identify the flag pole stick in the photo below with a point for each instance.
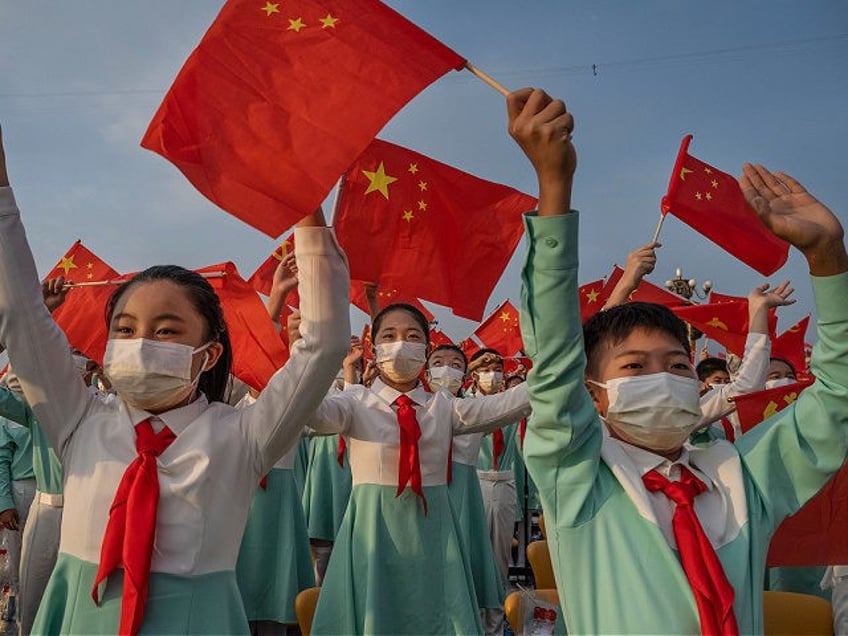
(121, 281)
(659, 228)
(488, 79)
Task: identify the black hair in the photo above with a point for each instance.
(616, 323)
(213, 382)
(708, 366)
(481, 352)
(786, 362)
(419, 317)
(448, 347)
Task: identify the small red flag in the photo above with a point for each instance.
(790, 345)
(501, 330)
(645, 293)
(409, 222)
(711, 202)
(258, 350)
(367, 344)
(263, 278)
(726, 323)
(753, 408)
(469, 347)
(438, 338)
(277, 100)
(593, 296)
(82, 315)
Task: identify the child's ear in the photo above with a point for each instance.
(595, 393)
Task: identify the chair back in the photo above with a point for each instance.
(792, 613)
(540, 563)
(304, 608)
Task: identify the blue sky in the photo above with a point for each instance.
(753, 81)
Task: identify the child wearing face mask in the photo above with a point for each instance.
(399, 565)
(672, 537)
(165, 460)
(446, 367)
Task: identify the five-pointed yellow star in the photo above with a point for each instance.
(592, 295)
(708, 170)
(413, 168)
(329, 22)
(698, 196)
(422, 185)
(714, 183)
(505, 317)
(408, 216)
(709, 196)
(90, 265)
(379, 181)
(89, 276)
(296, 25)
(270, 8)
(67, 264)
(422, 205)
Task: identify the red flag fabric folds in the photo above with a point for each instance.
(501, 330)
(409, 222)
(645, 293)
(277, 100)
(263, 278)
(790, 345)
(726, 323)
(82, 315)
(711, 202)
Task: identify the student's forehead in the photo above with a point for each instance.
(447, 356)
(155, 297)
(779, 365)
(399, 320)
(647, 340)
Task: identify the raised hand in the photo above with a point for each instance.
(53, 291)
(796, 216)
(761, 299)
(354, 355)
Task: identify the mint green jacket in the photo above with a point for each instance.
(615, 571)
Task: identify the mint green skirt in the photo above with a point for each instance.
(274, 562)
(394, 570)
(327, 489)
(467, 501)
(205, 604)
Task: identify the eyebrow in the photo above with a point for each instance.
(174, 317)
(641, 352)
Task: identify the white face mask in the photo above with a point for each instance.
(490, 381)
(773, 384)
(657, 411)
(446, 378)
(151, 375)
(401, 361)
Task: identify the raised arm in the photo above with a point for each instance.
(38, 350)
(285, 405)
(486, 413)
(640, 263)
(285, 280)
(793, 454)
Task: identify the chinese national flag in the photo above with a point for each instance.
(82, 315)
(438, 338)
(367, 344)
(263, 278)
(280, 97)
(593, 296)
(409, 222)
(469, 347)
(753, 408)
(711, 202)
(645, 293)
(790, 345)
(385, 297)
(258, 350)
(726, 323)
(500, 331)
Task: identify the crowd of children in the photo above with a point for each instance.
(162, 504)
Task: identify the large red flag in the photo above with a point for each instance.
(278, 99)
(258, 350)
(645, 293)
(409, 222)
(711, 202)
(593, 296)
(790, 345)
(501, 330)
(815, 535)
(82, 315)
(726, 323)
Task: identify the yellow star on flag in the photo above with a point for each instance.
(709, 196)
(67, 264)
(505, 317)
(718, 324)
(89, 276)
(714, 183)
(270, 8)
(379, 181)
(413, 168)
(329, 22)
(422, 205)
(422, 185)
(698, 196)
(408, 216)
(296, 25)
(90, 265)
(592, 295)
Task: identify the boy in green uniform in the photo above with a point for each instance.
(647, 533)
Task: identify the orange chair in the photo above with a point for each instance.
(786, 613)
(540, 563)
(515, 612)
(304, 608)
